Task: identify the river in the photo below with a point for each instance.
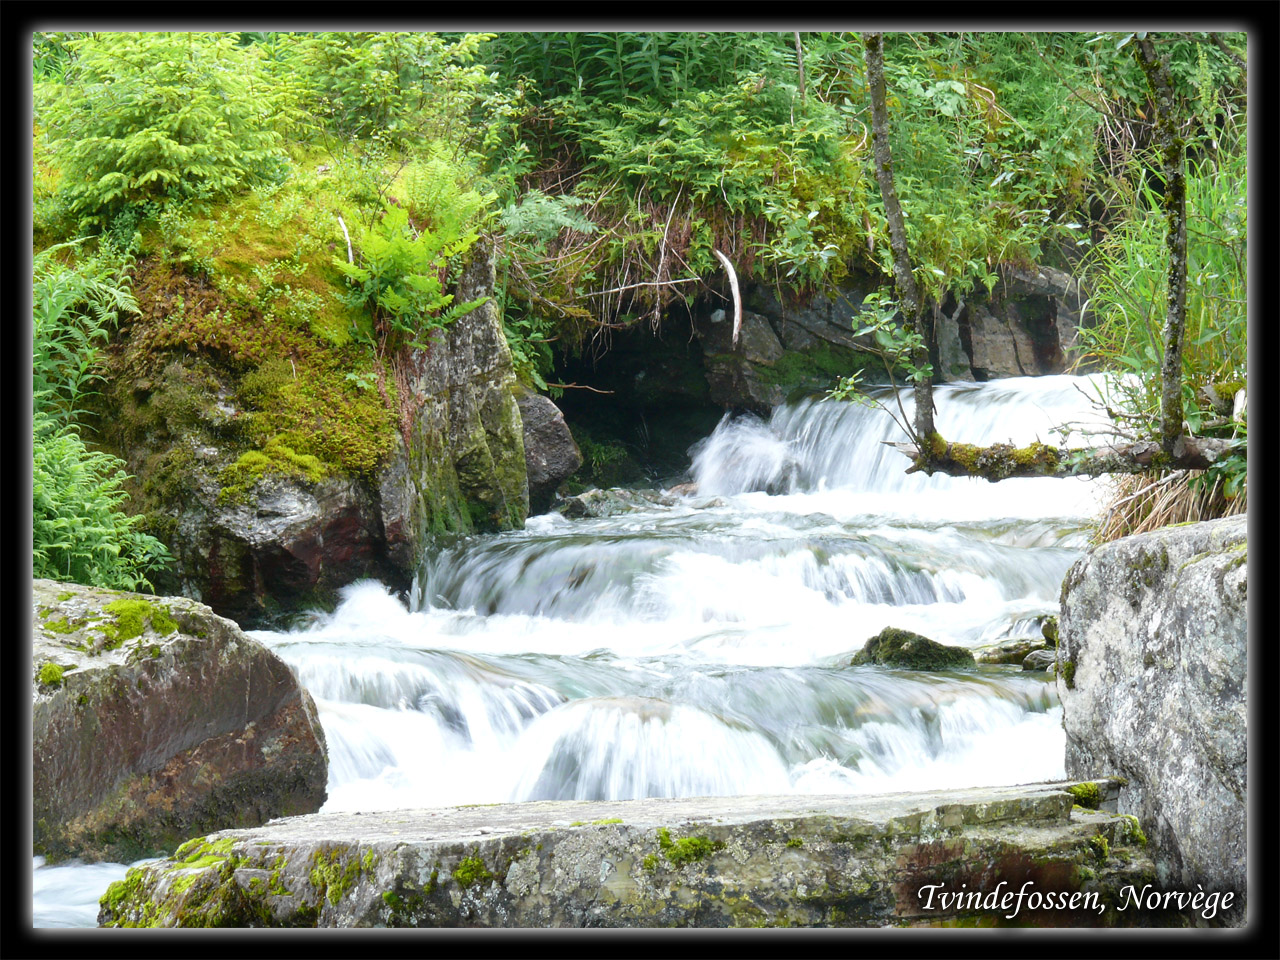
(699, 645)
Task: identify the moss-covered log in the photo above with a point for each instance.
(1000, 461)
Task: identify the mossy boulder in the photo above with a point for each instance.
(154, 720)
(278, 466)
(905, 650)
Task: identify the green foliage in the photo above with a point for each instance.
(1128, 273)
(155, 116)
(79, 533)
(73, 307)
(401, 271)
(400, 85)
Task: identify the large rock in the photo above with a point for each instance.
(853, 861)
(1152, 671)
(905, 650)
(458, 464)
(465, 460)
(1025, 326)
(551, 455)
(155, 720)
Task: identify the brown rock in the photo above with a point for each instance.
(167, 722)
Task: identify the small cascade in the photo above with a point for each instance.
(703, 648)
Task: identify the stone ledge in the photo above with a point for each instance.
(705, 862)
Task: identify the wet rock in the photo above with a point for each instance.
(289, 543)
(905, 650)
(1153, 665)
(153, 720)
(550, 453)
(852, 861)
(1010, 651)
(612, 502)
(1040, 660)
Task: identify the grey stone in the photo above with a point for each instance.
(1153, 665)
(147, 740)
(1009, 651)
(551, 455)
(1040, 660)
(855, 861)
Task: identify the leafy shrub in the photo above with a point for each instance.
(150, 116)
(72, 310)
(79, 533)
(400, 275)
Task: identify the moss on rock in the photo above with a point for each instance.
(903, 649)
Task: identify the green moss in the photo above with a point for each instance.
(1069, 674)
(1087, 795)
(471, 871)
(795, 842)
(650, 862)
(1133, 831)
(687, 849)
(1101, 849)
(50, 675)
(131, 617)
(276, 458)
(330, 877)
(65, 595)
(1001, 460)
(62, 626)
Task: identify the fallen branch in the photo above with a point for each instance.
(737, 297)
(1000, 461)
(576, 386)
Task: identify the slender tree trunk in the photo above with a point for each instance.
(800, 64)
(913, 310)
(1172, 154)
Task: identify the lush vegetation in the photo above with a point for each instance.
(295, 208)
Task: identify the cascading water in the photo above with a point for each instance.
(703, 648)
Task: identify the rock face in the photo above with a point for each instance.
(550, 453)
(706, 862)
(892, 647)
(290, 543)
(1152, 671)
(1024, 327)
(465, 460)
(154, 720)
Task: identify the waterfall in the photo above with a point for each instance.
(703, 648)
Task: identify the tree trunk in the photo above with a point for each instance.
(913, 310)
(1172, 153)
(1000, 461)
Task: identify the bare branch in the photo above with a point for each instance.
(737, 297)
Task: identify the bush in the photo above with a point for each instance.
(152, 116)
(79, 533)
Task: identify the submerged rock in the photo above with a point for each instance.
(905, 650)
(612, 502)
(852, 861)
(1153, 664)
(1040, 660)
(154, 720)
(1009, 651)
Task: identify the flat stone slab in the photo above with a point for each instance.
(714, 862)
